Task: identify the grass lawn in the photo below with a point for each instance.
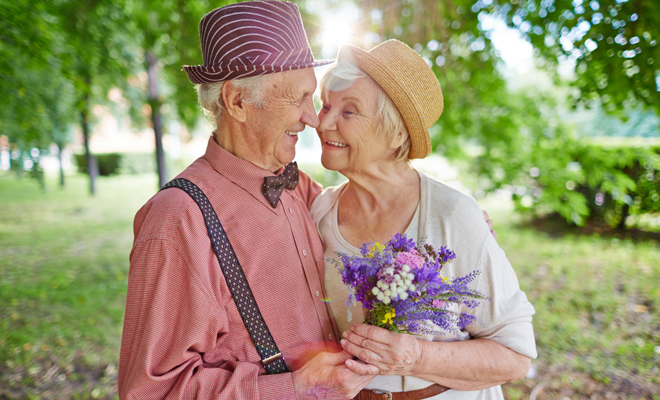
(62, 284)
(64, 262)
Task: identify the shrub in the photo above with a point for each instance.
(137, 163)
(580, 179)
(108, 163)
(119, 163)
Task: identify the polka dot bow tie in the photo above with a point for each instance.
(273, 185)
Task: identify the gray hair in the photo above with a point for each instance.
(210, 95)
(390, 123)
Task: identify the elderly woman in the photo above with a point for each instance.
(377, 108)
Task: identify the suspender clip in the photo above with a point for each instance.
(271, 359)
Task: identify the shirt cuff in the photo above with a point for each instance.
(278, 386)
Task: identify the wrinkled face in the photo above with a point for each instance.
(348, 128)
(290, 108)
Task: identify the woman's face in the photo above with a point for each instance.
(348, 128)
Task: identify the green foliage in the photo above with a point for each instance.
(553, 170)
(382, 316)
(137, 163)
(108, 163)
(613, 43)
(119, 163)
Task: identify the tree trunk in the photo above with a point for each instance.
(154, 102)
(91, 161)
(59, 158)
(625, 212)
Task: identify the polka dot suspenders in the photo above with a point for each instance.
(271, 357)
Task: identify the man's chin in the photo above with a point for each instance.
(287, 156)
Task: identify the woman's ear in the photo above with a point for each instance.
(233, 101)
(399, 140)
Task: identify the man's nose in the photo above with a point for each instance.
(309, 116)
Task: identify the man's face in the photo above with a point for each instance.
(290, 108)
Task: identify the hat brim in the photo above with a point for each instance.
(202, 74)
(390, 82)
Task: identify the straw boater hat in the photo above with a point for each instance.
(249, 39)
(409, 81)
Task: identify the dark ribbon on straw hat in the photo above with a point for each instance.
(251, 38)
(273, 185)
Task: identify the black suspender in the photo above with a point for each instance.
(271, 358)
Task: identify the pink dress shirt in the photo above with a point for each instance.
(183, 337)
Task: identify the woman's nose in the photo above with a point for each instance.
(326, 121)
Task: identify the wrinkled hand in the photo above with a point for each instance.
(490, 224)
(332, 376)
(393, 353)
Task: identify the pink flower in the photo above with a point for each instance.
(410, 259)
(439, 303)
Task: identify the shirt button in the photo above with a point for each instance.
(304, 252)
(291, 210)
(329, 335)
(317, 293)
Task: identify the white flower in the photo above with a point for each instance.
(380, 296)
(387, 292)
(405, 268)
(412, 288)
(397, 277)
(386, 300)
(375, 291)
(403, 296)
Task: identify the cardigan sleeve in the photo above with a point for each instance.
(507, 317)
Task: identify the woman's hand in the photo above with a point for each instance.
(393, 353)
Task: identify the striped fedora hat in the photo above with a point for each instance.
(249, 39)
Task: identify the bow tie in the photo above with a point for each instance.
(273, 185)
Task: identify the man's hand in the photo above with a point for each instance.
(327, 376)
(490, 224)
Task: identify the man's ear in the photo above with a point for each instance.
(233, 102)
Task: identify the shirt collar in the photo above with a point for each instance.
(241, 172)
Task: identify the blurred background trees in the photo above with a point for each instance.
(514, 135)
(572, 135)
(539, 136)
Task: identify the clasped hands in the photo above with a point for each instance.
(340, 376)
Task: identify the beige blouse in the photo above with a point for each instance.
(454, 220)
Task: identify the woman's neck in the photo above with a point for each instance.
(380, 186)
(378, 203)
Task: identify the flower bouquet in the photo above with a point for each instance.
(400, 287)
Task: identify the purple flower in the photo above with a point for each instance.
(401, 242)
(445, 255)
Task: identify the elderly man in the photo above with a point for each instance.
(185, 333)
